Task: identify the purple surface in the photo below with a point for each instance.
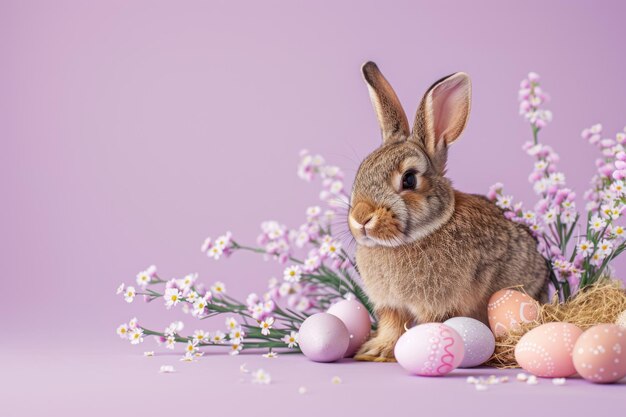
(132, 130)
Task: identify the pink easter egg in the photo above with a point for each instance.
(508, 308)
(430, 349)
(356, 318)
(546, 350)
(600, 353)
(323, 338)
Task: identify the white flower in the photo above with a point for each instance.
(199, 306)
(135, 336)
(618, 231)
(261, 377)
(143, 279)
(266, 325)
(336, 380)
(170, 342)
(149, 353)
(237, 334)
(605, 247)
(504, 201)
(585, 247)
(223, 241)
(172, 297)
(291, 339)
(132, 323)
(330, 249)
(122, 331)
(192, 296)
(292, 273)
(215, 252)
(270, 355)
(550, 216)
(188, 357)
(218, 337)
(231, 323)
(129, 294)
(235, 346)
(120, 289)
(166, 369)
(597, 223)
(200, 336)
(187, 281)
(219, 288)
(557, 178)
(191, 347)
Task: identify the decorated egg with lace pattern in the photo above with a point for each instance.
(430, 349)
(546, 350)
(508, 308)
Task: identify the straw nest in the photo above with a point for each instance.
(602, 302)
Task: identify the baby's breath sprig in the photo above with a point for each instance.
(310, 283)
(578, 255)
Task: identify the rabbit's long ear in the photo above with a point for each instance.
(442, 116)
(391, 117)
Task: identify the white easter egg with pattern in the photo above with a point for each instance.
(546, 350)
(478, 340)
(430, 349)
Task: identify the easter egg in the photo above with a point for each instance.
(478, 340)
(430, 349)
(508, 308)
(323, 338)
(356, 318)
(600, 353)
(546, 350)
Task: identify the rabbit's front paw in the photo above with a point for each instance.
(378, 349)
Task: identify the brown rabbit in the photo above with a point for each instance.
(427, 252)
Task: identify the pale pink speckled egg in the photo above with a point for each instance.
(600, 353)
(430, 349)
(508, 308)
(323, 338)
(546, 350)
(356, 318)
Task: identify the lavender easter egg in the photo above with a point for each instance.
(356, 318)
(323, 338)
(600, 353)
(546, 350)
(430, 349)
(478, 340)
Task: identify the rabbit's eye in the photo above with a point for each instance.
(409, 180)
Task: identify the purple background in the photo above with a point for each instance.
(132, 130)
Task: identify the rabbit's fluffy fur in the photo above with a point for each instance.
(427, 252)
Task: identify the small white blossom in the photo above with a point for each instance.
(585, 247)
(218, 337)
(292, 273)
(120, 289)
(166, 369)
(261, 377)
(129, 294)
(135, 336)
(266, 325)
(291, 339)
(270, 355)
(218, 288)
(172, 297)
(122, 331)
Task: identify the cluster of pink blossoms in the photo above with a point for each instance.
(578, 257)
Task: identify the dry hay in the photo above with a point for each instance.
(600, 303)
